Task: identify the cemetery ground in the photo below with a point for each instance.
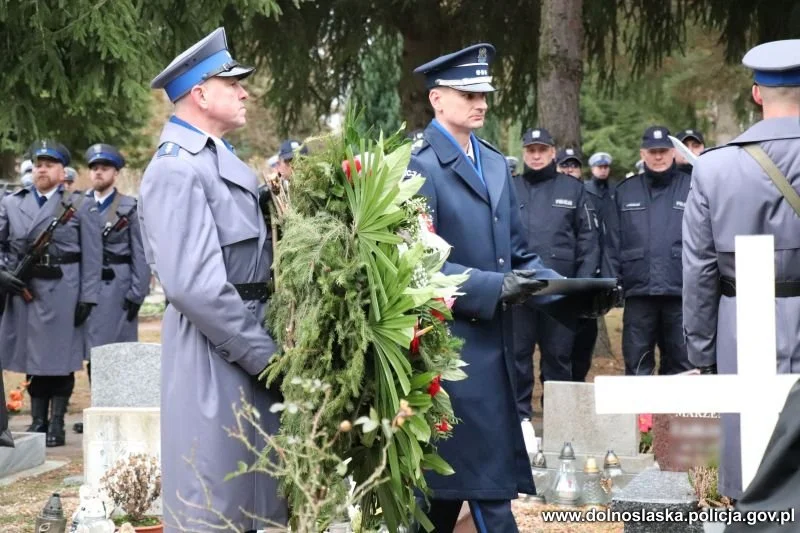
(22, 497)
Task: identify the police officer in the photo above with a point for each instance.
(559, 229)
(286, 154)
(26, 173)
(569, 162)
(694, 141)
(205, 238)
(70, 175)
(732, 194)
(126, 275)
(647, 256)
(513, 165)
(600, 202)
(475, 209)
(45, 338)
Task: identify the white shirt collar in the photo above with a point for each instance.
(49, 194)
(100, 199)
(468, 150)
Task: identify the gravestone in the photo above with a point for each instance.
(569, 416)
(655, 494)
(683, 440)
(125, 416)
(28, 452)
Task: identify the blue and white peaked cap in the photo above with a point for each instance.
(466, 70)
(775, 64)
(203, 60)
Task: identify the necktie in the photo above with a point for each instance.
(41, 199)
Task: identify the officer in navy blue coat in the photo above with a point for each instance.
(475, 209)
(647, 256)
(559, 229)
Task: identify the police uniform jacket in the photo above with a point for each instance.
(40, 338)
(203, 233)
(731, 195)
(126, 275)
(602, 208)
(558, 223)
(647, 255)
(482, 224)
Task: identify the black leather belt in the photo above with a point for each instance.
(116, 259)
(61, 259)
(783, 289)
(260, 290)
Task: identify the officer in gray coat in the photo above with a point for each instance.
(45, 337)
(126, 275)
(205, 237)
(732, 195)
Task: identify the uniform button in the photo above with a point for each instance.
(496, 220)
(501, 261)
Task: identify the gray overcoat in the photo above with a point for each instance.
(40, 337)
(731, 195)
(203, 232)
(108, 323)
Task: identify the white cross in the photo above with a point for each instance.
(757, 392)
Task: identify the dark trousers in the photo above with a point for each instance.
(555, 341)
(489, 516)
(650, 321)
(49, 386)
(583, 348)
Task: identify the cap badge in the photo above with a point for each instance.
(482, 55)
(536, 134)
(658, 134)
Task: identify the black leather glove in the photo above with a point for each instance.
(710, 369)
(599, 303)
(82, 311)
(519, 285)
(10, 284)
(131, 308)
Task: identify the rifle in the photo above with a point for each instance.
(24, 270)
(122, 222)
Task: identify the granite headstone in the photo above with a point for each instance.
(126, 375)
(569, 416)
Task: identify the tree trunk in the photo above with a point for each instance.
(8, 162)
(726, 124)
(418, 49)
(602, 347)
(560, 70)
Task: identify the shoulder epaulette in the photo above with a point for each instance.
(419, 146)
(168, 149)
(489, 145)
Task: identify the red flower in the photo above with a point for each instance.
(645, 423)
(426, 218)
(348, 170)
(446, 301)
(435, 386)
(443, 426)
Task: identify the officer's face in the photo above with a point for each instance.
(657, 159)
(223, 100)
(458, 109)
(48, 173)
(537, 156)
(694, 145)
(601, 171)
(103, 176)
(285, 168)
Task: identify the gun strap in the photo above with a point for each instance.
(112, 209)
(774, 173)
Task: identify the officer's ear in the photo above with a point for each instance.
(435, 98)
(757, 98)
(198, 96)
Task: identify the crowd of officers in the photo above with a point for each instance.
(72, 274)
(629, 229)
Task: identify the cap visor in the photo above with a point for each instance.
(476, 88)
(239, 71)
(537, 141)
(664, 143)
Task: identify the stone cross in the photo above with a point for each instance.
(757, 392)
